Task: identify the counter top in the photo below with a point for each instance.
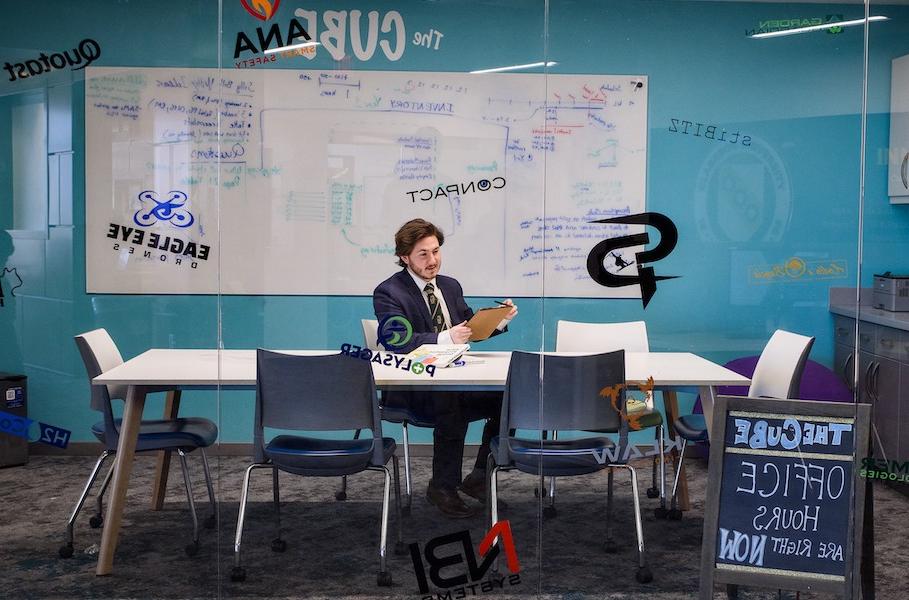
(842, 302)
(897, 320)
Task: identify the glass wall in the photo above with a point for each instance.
(871, 316)
(368, 118)
(751, 144)
(224, 176)
(86, 153)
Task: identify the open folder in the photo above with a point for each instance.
(484, 321)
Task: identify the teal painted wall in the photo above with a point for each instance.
(798, 97)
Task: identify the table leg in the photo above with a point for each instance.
(671, 405)
(708, 399)
(171, 408)
(129, 433)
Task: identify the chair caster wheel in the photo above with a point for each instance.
(549, 512)
(675, 515)
(210, 522)
(66, 551)
(405, 511)
(400, 549)
(660, 512)
(96, 522)
(278, 545)
(340, 496)
(643, 575)
(653, 493)
(238, 574)
(192, 549)
(384, 579)
(609, 547)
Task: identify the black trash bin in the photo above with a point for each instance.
(13, 401)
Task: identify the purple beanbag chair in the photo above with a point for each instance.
(818, 383)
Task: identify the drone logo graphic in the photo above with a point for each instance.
(394, 331)
(164, 210)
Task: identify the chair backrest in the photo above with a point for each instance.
(780, 367)
(370, 334)
(100, 354)
(562, 393)
(630, 336)
(316, 393)
(601, 337)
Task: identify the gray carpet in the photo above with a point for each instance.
(332, 546)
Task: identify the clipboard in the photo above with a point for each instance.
(484, 321)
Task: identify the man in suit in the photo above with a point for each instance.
(434, 304)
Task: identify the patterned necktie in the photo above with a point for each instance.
(435, 309)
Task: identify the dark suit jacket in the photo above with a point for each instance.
(399, 295)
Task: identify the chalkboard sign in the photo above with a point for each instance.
(783, 494)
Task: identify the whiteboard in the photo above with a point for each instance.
(294, 182)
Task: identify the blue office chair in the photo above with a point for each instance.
(404, 415)
(564, 398)
(100, 354)
(778, 374)
(317, 393)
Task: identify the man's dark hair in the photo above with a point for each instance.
(412, 232)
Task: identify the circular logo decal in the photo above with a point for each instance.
(395, 331)
(742, 194)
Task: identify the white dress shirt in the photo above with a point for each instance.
(445, 336)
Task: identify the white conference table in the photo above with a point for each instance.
(236, 369)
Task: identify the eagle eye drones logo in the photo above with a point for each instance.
(394, 331)
(174, 249)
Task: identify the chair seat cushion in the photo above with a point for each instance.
(692, 427)
(559, 458)
(399, 414)
(166, 434)
(323, 457)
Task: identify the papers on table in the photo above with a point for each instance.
(440, 355)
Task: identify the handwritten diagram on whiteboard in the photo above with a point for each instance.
(294, 182)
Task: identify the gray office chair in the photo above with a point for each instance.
(100, 354)
(777, 374)
(318, 393)
(566, 397)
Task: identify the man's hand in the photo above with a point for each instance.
(514, 309)
(460, 333)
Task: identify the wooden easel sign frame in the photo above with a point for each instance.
(784, 496)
